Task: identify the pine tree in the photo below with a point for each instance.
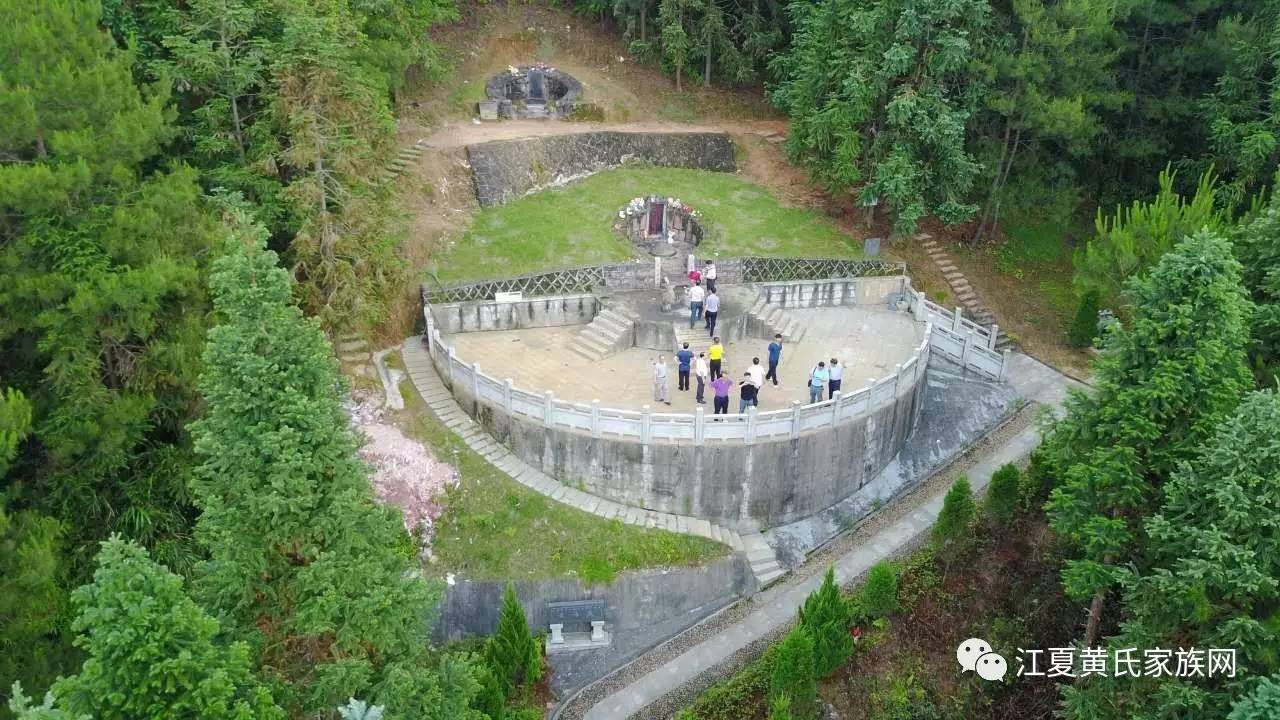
(1084, 328)
(152, 653)
(1002, 493)
(676, 43)
(1260, 703)
(15, 424)
(794, 674)
(33, 599)
(780, 708)
(825, 615)
(954, 527)
(879, 597)
(1257, 246)
(1161, 386)
(512, 653)
(302, 561)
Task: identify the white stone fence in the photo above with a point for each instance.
(647, 426)
(959, 339)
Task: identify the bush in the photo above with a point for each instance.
(880, 593)
(793, 674)
(1003, 493)
(1085, 326)
(826, 617)
(955, 522)
(743, 695)
(780, 708)
(513, 654)
(1036, 482)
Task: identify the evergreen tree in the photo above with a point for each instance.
(1260, 703)
(954, 527)
(513, 653)
(1002, 493)
(1133, 239)
(1084, 328)
(874, 98)
(676, 43)
(1257, 245)
(794, 674)
(102, 308)
(15, 424)
(151, 650)
(879, 596)
(780, 708)
(32, 600)
(1216, 572)
(302, 561)
(826, 618)
(1160, 388)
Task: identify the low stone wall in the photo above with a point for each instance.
(507, 169)
(643, 608)
(531, 313)
(816, 293)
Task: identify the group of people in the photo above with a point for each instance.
(707, 367)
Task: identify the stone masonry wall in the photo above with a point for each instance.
(642, 608)
(532, 313)
(507, 169)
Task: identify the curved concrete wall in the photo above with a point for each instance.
(747, 485)
(507, 169)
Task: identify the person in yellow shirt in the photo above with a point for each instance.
(715, 354)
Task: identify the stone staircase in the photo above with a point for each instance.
(964, 292)
(353, 351)
(403, 159)
(422, 373)
(696, 336)
(776, 320)
(611, 330)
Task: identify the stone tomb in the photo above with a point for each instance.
(530, 91)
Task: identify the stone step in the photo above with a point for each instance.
(615, 324)
(352, 345)
(597, 335)
(757, 307)
(354, 357)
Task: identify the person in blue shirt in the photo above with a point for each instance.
(775, 355)
(684, 357)
(818, 382)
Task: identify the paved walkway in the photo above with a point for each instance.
(422, 374)
(778, 605)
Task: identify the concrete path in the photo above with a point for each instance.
(1034, 380)
(422, 373)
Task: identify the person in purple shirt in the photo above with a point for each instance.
(684, 357)
(721, 387)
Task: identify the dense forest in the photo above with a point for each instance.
(192, 199)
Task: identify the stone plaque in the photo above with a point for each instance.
(871, 247)
(488, 110)
(508, 296)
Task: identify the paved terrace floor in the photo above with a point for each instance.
(868, 342)
(777, 606)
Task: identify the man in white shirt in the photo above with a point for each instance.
(709, 274)
(660, 380)
(712, 312)
(702, 371)
(836, 375)
(696, 297)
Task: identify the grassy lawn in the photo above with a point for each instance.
(494, 527)
(573, 225)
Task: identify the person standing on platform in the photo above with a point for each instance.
(756, 373)
(775, 356)
(695, 277)
(712, 312)
(683, 358)
(696, 296)
(709, 274)
(720, 386)
(715, 354)
(660, 381)
(747, 392)
(835, 375)
(817, 382)
(703, 374)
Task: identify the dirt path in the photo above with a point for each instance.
(462, 134)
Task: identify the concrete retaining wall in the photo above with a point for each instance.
(508, 169)
(533, 313)
(815, 293)
(643, 608)
(747, 486)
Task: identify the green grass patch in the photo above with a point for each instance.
(573, 225)
(495, 528)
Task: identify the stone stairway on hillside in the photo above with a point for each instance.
(968, 297)
(422, 373)
(403, 159)
(610, 331)
(353, 351)
(776, 320)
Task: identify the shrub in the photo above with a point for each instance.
(793, 674)
(1003, 493)
(954, 522)
(743, 695)
(826, 617)
(513, 653)
(780, 708)
(1085, 326)
(880, 593)
(1036, 482)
